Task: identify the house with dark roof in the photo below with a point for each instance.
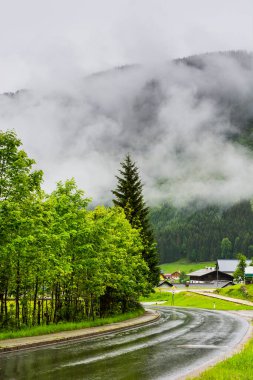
(210, 276)
(165, 284)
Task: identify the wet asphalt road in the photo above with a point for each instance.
(182, 340)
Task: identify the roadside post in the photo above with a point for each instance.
(217, 273)
(173, 294)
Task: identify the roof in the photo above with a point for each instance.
(229, 266)
(165, 282)
(201, 272)
(249, 271)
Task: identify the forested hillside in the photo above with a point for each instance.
(205, 230)
(203, 234)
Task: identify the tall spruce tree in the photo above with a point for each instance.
(128, 195)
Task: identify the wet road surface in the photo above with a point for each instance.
(182, 340)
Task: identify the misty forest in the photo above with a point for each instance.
(189, 128)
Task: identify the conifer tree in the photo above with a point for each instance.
(128, 195)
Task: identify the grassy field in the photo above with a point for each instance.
(184, 265)
(187, 299)
(67, 326)
(238, 367)
(244, 292)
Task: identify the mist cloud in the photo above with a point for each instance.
(175, 119)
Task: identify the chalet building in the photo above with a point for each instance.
(167, 275)
(221, 275)
(175, 275)
(211, 276)
(229, 266)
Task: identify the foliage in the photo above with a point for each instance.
(16, 176)
(128, 195)
(68, 326)
(239, 274)
(57, 259)
(226, 248)
(196, 232)
(183, 277)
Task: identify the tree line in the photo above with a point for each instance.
(59, 260)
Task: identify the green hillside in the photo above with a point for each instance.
(184, 265)
(197, 232)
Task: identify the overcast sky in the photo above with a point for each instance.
(43, 38)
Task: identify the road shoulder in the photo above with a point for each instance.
(236, 349)
(224, 298)
(9, 345)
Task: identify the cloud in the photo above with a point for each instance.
(175, 119)
(37, 38)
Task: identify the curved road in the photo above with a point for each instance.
(181, 341)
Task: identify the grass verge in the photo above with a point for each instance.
(243, 292)
(238, 367)
(68, 326)
(187, 299)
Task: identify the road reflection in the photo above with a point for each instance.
(180, 341)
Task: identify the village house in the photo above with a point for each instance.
(175, 275)
(221, 275)
(229, 266)
(165, 284)
(210, 276)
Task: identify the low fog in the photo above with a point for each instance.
(178, 120)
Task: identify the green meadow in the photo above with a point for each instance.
(184, 265)
(244, 292)
(187, 299)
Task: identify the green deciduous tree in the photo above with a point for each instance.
(183, 277)
(17, 179)
(19, 190)
(58, 260)
(122, 272)
(128, 195)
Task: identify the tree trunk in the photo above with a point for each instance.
(35, 301)
(17, 294)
